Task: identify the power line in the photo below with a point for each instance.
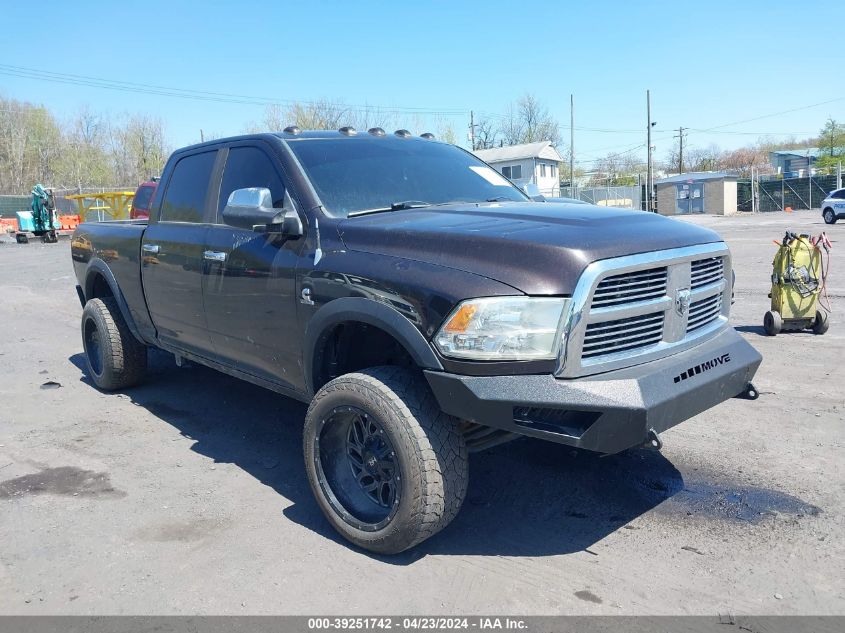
(767, 116)
(223, 97)
(199, 95)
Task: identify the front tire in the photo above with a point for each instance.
(829, 216)
(387, 467)
(115, 358)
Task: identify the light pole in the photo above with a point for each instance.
(649, 171)
(572, 146)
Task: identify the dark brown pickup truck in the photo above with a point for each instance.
(421, 303)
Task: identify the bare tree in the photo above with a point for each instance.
(145, 138)
(320, 115)
(486, 133)
(85, 159)
(512, 127)
(528, 121)
(13, 145)
(742, 160)
(695, 158)
(620, 168)
(446, 132)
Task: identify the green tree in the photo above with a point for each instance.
(832, 137)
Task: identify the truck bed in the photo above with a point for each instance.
(118, 245)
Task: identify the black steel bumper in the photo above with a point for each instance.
(608, 412)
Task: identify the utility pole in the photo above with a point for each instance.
(649, 174)
(753, 194)
(680, 138)
(572, 145)
(472, 129)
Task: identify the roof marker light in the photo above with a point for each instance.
(402, 133)
(291, 129)
(427, 135)
(348, 130)
(376, 131)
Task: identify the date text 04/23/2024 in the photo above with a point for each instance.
(416, 623)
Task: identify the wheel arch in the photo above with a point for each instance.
(100, 282)
(358, 310)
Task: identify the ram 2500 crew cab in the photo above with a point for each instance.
(422, 304)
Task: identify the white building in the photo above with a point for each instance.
(535, 163)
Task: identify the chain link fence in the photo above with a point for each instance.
(624, 196)
(779, 194)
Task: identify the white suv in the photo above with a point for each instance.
(833, 207)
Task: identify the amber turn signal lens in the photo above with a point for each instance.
(458, 323)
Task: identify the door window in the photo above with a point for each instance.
(184, 200)
(249, 167)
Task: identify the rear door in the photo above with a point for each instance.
(250, 278)
(172, 255)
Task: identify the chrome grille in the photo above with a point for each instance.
(704, 272)
(703, 312)
(619, 335)
(641, 285)
(641, 307)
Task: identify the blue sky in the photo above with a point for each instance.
(707, 64)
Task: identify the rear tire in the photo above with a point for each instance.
(387, 467)
(821, 323)
(772, 323)
(829, 216)
(114, 357)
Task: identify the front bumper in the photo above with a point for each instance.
(608, 412)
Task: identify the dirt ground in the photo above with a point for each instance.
(187, 495)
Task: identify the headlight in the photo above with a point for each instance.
(503, 328)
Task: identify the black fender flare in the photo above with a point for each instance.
(372, 313)
(98, 267)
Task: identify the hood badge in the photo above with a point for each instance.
(682, 300)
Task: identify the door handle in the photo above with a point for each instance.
(214, 256)
(153, 249)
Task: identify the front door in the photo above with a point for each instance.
(690, 198)
(172, 256)
(250, 280)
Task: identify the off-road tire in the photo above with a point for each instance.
(115, 359)
(772, 323)
(429, 449)
(821, 323)
(829, 216)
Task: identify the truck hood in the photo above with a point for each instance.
(538, 248)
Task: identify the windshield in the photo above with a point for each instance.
(383, 174)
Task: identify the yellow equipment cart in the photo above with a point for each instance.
(797, 280)
(109, 205)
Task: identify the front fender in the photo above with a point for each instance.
(372, 313)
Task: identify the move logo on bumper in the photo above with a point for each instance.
(710, 364)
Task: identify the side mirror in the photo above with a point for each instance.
(252, 209)
(533, 191)
(248, 208)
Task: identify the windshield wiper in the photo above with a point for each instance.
(500, 199)
(394, 206)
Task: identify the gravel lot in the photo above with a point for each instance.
(187, 495)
